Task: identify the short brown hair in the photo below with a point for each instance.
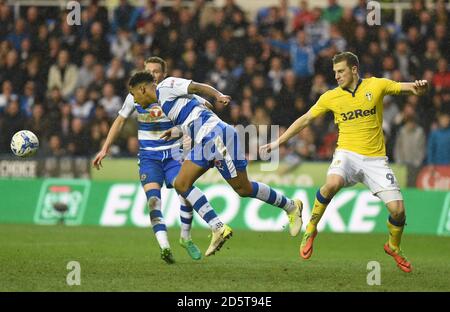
(349, 57)
(158, 60)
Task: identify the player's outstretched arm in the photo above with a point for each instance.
(207, 90)
(418, 87)
(111, 137)
(295, 128)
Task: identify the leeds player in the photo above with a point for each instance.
(360, 156)
(215, 144)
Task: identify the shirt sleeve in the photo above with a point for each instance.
(127, 107)
(171, 88)
(390, 87)
(320, 107)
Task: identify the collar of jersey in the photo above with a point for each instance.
(356, 88)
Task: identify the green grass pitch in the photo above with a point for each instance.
(34, 258)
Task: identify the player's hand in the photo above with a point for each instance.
(420, 87)
(97, 162)
(224, 99)
(172, 133)
(265, 150)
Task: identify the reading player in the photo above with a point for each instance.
(215, 144)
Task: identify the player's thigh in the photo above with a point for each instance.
(343, 165)
(151, 172)
(188, 174)
(378, 176)
(171, 169)
(230, 160)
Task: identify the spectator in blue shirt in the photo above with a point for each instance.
(302, 53)
(439, 142)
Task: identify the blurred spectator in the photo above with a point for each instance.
(18, 35)
(304, 145)
(33, 72)
(98, 44)
(441, 36)
(7, 95)
(63, 75)
(82, 107)
(302, 53)
(318, 30)
(412, 18)
(121, 44)
(13, 120)
(11, 70)
(110, 101)
(270, 19)
(54, 147)
(304, 16)
(34, 21)
(360, 11)
(441, 79)
(6, 20)
(289, 92)
(116, 75)
(38, 122)
(236, 116)
(333, 12)
(276, 74)
(28, 98)
(318, 88)
(410, 146)
(78, 140)
(86, 72)
(132, 147)
(220, 76)
(347, 24)
(69, 39)
(439, 141)
(125, 16)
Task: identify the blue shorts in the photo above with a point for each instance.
(220, 148)
(158, 171)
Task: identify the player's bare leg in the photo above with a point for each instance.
(395, 224)
(189, 173)
(246, 188)
(324, 195)
(153, 192)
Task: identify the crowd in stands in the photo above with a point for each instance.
(67, 82)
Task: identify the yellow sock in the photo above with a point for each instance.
(320, 204)
(395, 233)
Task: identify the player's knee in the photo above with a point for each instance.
(244, 191)
(331, 188)
(397, 210)
(180, 186)
(153, 202)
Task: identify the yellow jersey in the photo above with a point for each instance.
(359, 114)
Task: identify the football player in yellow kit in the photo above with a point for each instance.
(360, 156)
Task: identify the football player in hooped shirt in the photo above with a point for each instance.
(159, 162)
(214, 143)
(360, 156)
